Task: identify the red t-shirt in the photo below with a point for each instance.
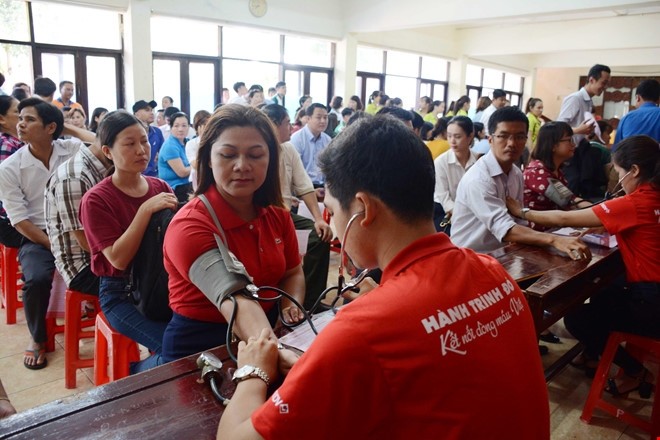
(267, 246)
(635, 220)
(444, 348)
(106, 212)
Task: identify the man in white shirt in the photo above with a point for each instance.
(481, 221)
(295, 182)
(311, 139)
(23, 178)
(241, 94)
(499, 101)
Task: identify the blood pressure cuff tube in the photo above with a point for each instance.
(217, 276)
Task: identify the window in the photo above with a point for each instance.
(176, 35)
(407, 75)
(307, 51)
(369, 59)
(249, 72)
(83, 27)
(14, 24)
(483, 81)
(15, 64)
(251, 44)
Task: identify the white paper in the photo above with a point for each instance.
(303, 336)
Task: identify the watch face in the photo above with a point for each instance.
(258, 7)
(244, 371)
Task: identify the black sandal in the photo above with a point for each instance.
(642, 386)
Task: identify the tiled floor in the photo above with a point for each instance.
(567, 391)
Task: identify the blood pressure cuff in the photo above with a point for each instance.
(218, 274)
(559, 193)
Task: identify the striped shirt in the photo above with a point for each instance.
(64, 192)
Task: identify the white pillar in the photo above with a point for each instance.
(346, 67)
(138, 66)
(457, 79)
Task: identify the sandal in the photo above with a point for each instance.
(640, 383)
(586, 364)
(550, 338)
(35, 354)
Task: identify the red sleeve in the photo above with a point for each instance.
(617, 215)
(100, 234)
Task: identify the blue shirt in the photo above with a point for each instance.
(156, 141)
(309, 147)
(172, 149)
(644, 120)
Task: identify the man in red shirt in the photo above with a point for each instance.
(443, 348)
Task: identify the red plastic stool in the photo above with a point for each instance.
(11, 283)
(645, 349)
(73, 333)
(52, 328)
(113, 352)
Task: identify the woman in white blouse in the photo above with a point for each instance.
(451, 166)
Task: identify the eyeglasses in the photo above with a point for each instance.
(507, 137)
(569, 139)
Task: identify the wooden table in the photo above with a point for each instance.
(554, 284)
(163, 403)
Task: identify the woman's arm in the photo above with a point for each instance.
(121, 252)
(576, 218)
(178, 167)
(293, 283)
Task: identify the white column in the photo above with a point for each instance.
(346, 67)
(138, 66)
(457, 79)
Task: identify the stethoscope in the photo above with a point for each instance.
(610, 195)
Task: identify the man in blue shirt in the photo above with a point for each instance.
(311, 139)
(144, 111)
(644, 120)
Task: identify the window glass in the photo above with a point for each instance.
(202, 78)
(101, 83)
(434, 68)
(369, 59)
(438, 92)
(473, 75)
(307, 51)
(400, 63)
(493, 78)
(16, 65)
(515, 100)
(512, 82)
(57, 23)
(14, 21)
(318, 87)
(59, 67)
(167, 80)
(402, 87)
(250, 72)
(177, 35)
(250, 43)
(294, 90)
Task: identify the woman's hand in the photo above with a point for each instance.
(292, 314)
(159, 202)
(323, 230)
(514, 207)
(261, 352)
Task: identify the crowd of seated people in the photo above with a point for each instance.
(252, 168)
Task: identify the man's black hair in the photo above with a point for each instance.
(649, 90)
(44, 87)
(238, 85)
(276, 113)
(506, 114)
(499, 93)
(596, 71)
(417, 120)
(347, 111)
(310, 110)
(280, 84)
(169, 111)
(47, 112)
(63, 83)
(397, 112)
(368, 156)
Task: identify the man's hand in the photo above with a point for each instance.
(323, 230)
(573, 246)
(261, 352)
(586, 128)
(514, 207)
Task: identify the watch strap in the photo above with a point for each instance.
(256, 373)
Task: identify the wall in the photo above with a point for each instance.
(552, 85)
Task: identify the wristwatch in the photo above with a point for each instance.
(249, 372)
(523, 213)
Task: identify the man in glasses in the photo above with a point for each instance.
(481, 221)
(426, 354)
